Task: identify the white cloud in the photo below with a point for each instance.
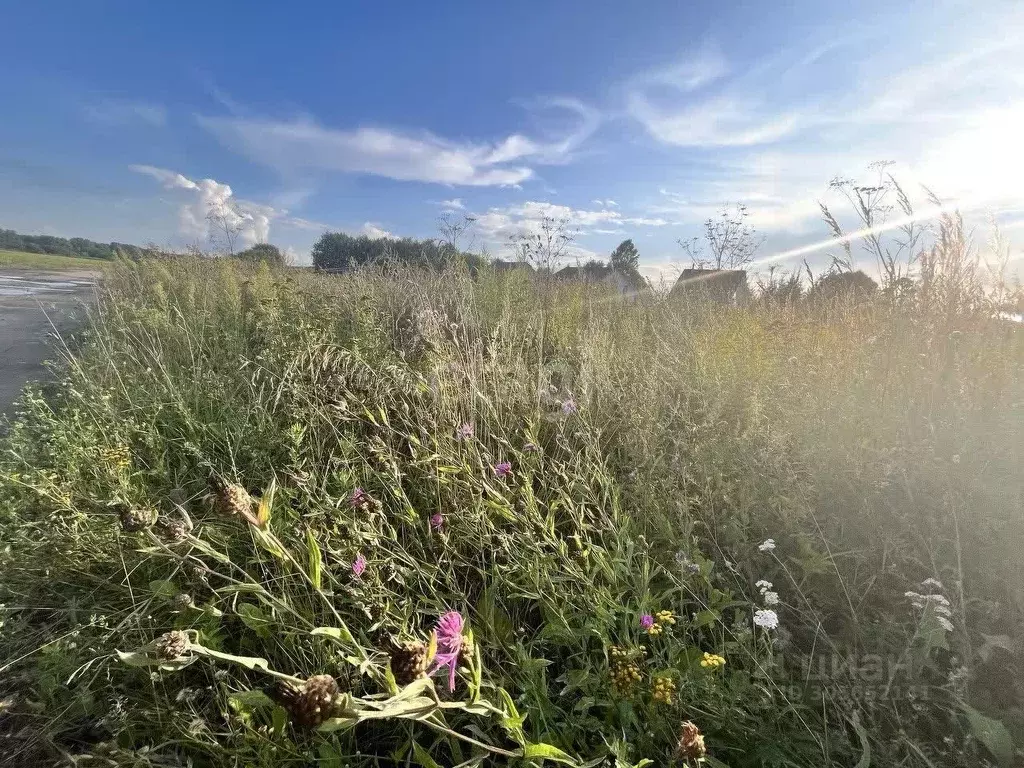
(376, 232)
(302, 144)
(212, 207)
(454, 204)
(117, 112)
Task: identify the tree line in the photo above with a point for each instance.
(62, 246)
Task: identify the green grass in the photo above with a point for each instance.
(22, 260)
(653, 446)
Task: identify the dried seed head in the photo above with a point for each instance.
(691, 742)
(183, 602)
(174, 530)
(231, 500)
(135, 519)
(172, 645)
(408, 661)
(316, 701)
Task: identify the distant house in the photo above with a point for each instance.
(725, 286)
(597, 272)
(500, 265)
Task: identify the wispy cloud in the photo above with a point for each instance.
(302, 144)
(117, 112)
(454, 204)
(376, 232)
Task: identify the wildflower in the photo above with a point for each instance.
(531, 447)
(768, 545)
(172, 645)
(465, 431)
(135, 519)
(666, 617)
(692, 568)
(712, 661)
(503, 469)
(359, 565)
(624, 670)
(767, 619)
(450, 644)
(691, 742)
(647, 621)
(310, 705)
(663, 688)
(231, 500)
(437, 521)
(359, 498)
(930, 582)
(408, 661)
(945, 623)
(569, 407)
(770, 598)
(763, 585)
(183, 602)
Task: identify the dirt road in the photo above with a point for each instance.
(32, 305)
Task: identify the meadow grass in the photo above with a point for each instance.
(794, 530)
(23, 260)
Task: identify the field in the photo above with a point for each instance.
(615, 532)
(22, 260)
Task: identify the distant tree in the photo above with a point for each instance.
(625, 258)
(729, 242)
(856, 286)
(263, 252)
(547, 246)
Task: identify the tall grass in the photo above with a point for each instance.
(654, 448)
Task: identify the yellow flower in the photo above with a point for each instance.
(712, 661)
(655, 629)
(666, 617)
(663, 689)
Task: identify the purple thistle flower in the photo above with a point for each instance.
(359, 565)
(437, 521)
(647, 621)
(449, 645)
(358, 498)
(503, 469)
(569, 407)
(465, 431)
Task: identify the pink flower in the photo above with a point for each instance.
(449, 645)
(647, 621)
(359, 565)
(437, 521)
(465, 431)
(569, 407)
(359, 498)
(503, 469)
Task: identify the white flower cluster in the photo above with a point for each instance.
(768, 545)
(765, 617)
(933, 599)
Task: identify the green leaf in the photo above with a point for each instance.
(249, 662)
(279, 719)
(255, 619)
(548, 752)
(336, 633)
(862, 736)
(268, 541)
(992, 733)
(249, 700)
(142, 659)
(421, 756)
(315, 559)
(266, 505)
(163, 588)
(704, 619)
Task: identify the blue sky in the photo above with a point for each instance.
(132, 121)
